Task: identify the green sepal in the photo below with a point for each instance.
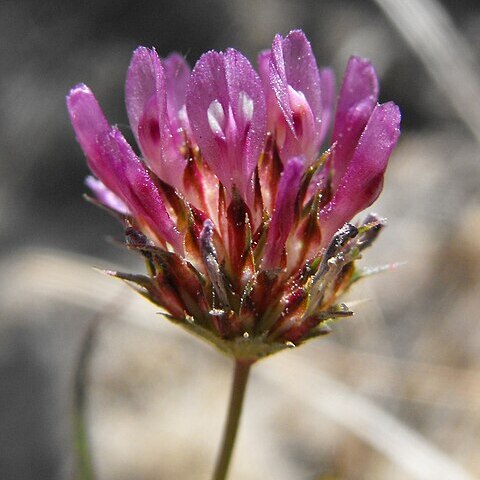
(329, 318)
(245, 348)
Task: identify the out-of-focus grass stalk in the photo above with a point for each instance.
(428, 29)
(403, 446)
(84, 470)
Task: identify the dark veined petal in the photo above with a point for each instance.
(145, 83)
(146, 101)
(226, 110)
(363, 180)
(284, 213)
(357, 99)
(113, 161)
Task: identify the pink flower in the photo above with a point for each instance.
(226, 108)
(300, 97)
(113, 161)
(242, 219)
(155, 99)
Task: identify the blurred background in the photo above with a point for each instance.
(394, 393)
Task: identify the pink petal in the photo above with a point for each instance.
(283, 215)
(87, 118)
(357, 99)
(278, 81)
(177, 74)
(105, 196)
(91, 128)
(363, 180)
(327, 82)
(226, 109)
(142, 194)
(146, 101)
(273, 110)
(263, 61)
(295, 81)
(301, 71)
(145, 84)
(113, 161)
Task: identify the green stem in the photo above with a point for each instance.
(239, 384)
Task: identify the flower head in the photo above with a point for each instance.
(242, 220)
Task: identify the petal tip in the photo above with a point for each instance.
(76, 93)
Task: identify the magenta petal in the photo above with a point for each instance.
(177, 74)
(284, 211)
(279, 82)
(301, 71)
(87, 118)
(105, 196)
(363, 180)
(145, 85)
(273, 110)
(226, 110)
(91, 129)
(141, 194)
(357, 99)
(327, 82)
(114, 162)
(146, 101)
(295, 81)
(263, 61)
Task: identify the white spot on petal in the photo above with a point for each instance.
(246, 106)
(182, 115)
(216, 118)
(298, 102)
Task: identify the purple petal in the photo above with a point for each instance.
(145, 85)
(177, 74)
(87, 118)
(273, 110)
(327, 82)
(263, 61)
(226, 109)
(301, 69)
(284, 212)
(141, 194)
(91, 128)
(105, 196)
(278, 81)
(295, 80)
(357, 99)
(363, 180)
(113, 161)
(146, 101)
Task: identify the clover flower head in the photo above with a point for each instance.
(243, 222)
